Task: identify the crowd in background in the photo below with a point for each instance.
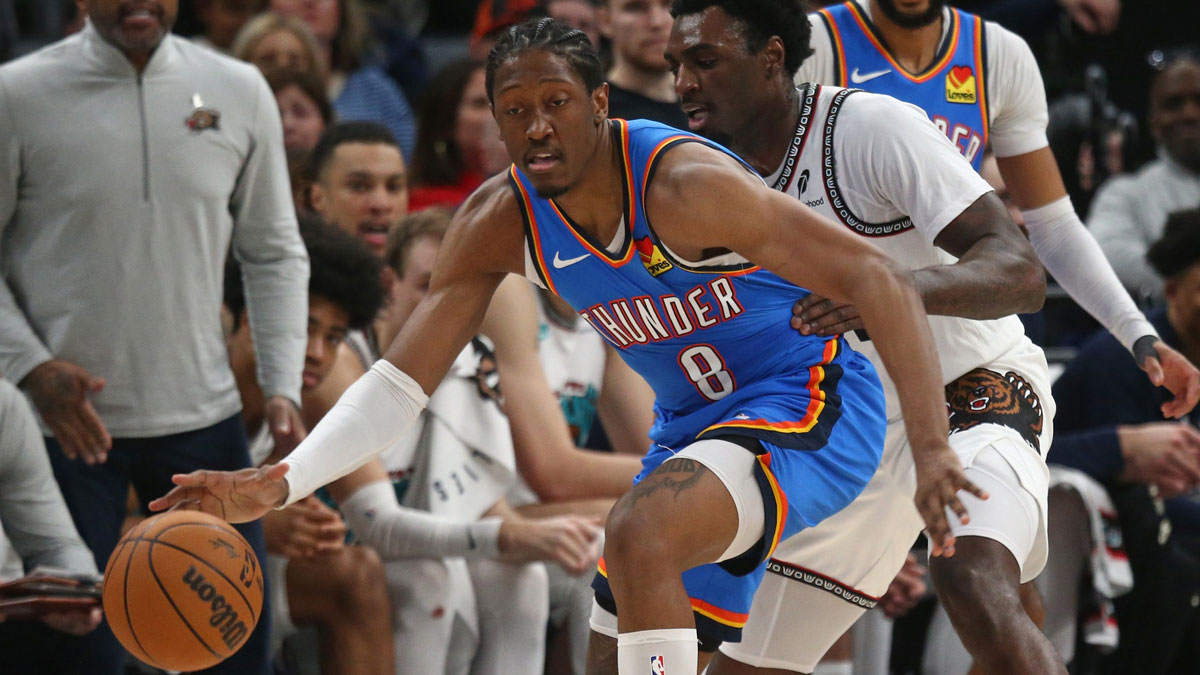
(386, 129)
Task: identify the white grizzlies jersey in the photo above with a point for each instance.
(879, 167)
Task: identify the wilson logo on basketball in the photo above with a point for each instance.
(223, 616)
(960, 85)
(651, 257)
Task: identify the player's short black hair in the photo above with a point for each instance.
(342, 270)
(761, 19)
(549, 35)
(1179, 246)
(348, 132)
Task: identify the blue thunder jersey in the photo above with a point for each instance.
(714, 342)
(952, 91)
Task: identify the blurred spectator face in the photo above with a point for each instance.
(638, 30)
(1175, 112)
(302, 121)
(224, 18)
(364, 191)
(475, 131)
(912, 13)
(410, 289)
(327, 328)
(134, 26)
(580, 14)
(322, 16)
(281, 49)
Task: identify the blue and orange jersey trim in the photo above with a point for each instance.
(702, 608)
(981, 77)
(868, 29)
(532, 238)
(820, 389)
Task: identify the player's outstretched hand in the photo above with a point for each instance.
(74, 623)
(570, 541)
(234, 496)
(1168, 368)
(939, 478)
(815, 315)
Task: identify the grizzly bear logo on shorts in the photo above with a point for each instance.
(983, 396)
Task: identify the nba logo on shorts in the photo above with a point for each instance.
(657, 666)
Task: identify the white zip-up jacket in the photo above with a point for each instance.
(120, 195)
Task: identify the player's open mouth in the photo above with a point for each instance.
(375, 234)
(542, 160)
(697, 115)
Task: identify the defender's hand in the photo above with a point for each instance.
(59, 390)
(235, 496)
(939, 478)
(74, 623)
(286, 425)
(1168, 368)
(304, 529)
(815, 315)
(570, 541)
(906, 589)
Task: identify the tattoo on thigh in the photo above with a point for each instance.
(674, 476)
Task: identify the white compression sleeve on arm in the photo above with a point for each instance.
(1073, 257)
(369, 417)
(397, 532)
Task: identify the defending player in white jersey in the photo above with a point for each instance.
(879, 167)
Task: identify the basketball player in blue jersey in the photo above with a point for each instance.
(647, 232)
(878, 166)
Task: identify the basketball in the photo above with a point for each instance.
(182, 591)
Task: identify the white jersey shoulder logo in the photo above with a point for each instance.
(858, 78)
(559, 263)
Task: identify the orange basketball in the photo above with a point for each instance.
(182, 591)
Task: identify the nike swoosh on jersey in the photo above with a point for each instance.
(559, 263)
(859, 78)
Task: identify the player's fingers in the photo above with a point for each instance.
(275, 471)
(201, 477)
(841, 328)
(177, 494)
(1153, 368)
(66, 437)
(957, 508)
(819, 310)
(1185, 464)
(966, 484)
(187, 503)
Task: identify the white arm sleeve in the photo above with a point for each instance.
(1072, 255)
(396, 532)
(368, 418)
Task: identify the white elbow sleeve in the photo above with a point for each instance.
(396, 532)
(1077, 263)
(368, 418)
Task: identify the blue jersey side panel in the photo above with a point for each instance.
(951, 91)
(715, 344)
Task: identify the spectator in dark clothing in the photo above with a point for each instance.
(640, 84)
(1109, 424)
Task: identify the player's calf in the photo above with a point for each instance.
(980, 589)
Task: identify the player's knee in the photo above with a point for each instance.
(358, 582)
(634, 539)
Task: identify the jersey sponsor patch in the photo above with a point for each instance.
(960, 85)
(651, 257)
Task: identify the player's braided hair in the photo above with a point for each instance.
(342, 270)
(760, 20)
(549, 35)
(1179, 247)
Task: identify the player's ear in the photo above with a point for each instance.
(316, 197)
(600, 103)
(773, 55)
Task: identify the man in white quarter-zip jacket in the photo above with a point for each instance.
(131, 163)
